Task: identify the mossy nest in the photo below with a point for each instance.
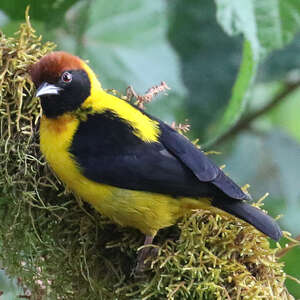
(61, 248)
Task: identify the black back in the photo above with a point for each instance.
(108, 152)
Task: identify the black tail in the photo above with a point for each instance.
(251, 215)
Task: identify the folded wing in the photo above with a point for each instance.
(107, 151)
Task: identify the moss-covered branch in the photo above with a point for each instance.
(61, 248)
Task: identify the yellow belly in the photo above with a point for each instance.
(145, 211)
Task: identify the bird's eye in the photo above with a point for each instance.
(66, 77)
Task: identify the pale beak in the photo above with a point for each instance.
(47, 89)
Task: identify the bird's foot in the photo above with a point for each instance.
(148, 251)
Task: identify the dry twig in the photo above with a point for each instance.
(289, 247)
(148, 97)
(181, 127)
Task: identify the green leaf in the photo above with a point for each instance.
(285, 154)
(280, 64)
(292, 267)
(239, 94)
(129, 43)
(126, 44)
(48, 11)
(286, 115)
(237, 17)
(266, 25)
(209, 61)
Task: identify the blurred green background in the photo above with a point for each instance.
(233, 68)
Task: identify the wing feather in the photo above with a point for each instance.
(107, 151)
(202, 167)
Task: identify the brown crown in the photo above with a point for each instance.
(51, 66)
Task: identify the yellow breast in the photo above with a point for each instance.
(55, 140)
(145, 211)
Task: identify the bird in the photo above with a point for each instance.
(130, 166)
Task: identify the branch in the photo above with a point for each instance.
(244, 123)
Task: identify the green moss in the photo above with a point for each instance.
(61, 248)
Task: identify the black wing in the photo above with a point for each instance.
(108, 152)
(201, 166)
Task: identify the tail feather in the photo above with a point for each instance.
(251, 215)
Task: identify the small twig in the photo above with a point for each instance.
(180, 285)
(130, 93)
(290, 246)
(293, 278)
(226, 292)
(245, 122)
(183, 127)
(142, 99)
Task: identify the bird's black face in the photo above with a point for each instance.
(65, 94)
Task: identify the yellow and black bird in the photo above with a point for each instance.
(129, 165)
